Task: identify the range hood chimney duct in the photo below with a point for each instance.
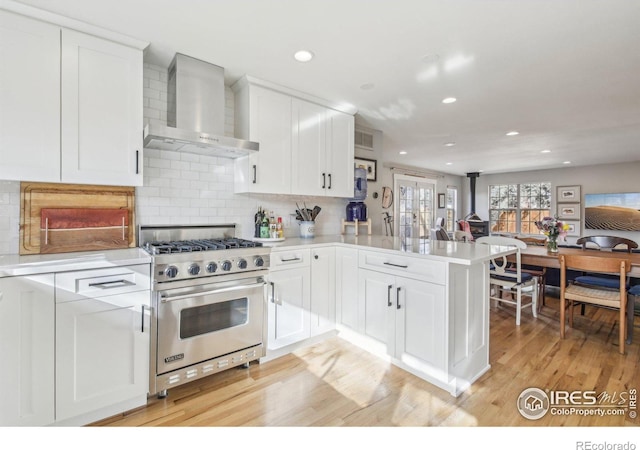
(195, 113)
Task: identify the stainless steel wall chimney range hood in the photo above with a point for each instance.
(195, 113)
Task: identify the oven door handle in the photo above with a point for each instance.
(171, 298)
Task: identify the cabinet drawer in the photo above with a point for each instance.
(417, 268)
(289, 259)
(102, 282)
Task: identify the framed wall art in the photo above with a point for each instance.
(574, 227)
(441, 201)
(569, 211)
(616, 211)
(369, 165)
(568, 194)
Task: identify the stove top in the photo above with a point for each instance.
(197, 253)
(198, 245)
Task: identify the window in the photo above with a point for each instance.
(514, 208)
(451, 205)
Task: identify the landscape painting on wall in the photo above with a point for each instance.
(612, 211)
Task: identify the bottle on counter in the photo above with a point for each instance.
(273, 233)
(264, 227)
(279, 228)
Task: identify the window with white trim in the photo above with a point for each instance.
(451, 207)
(514, 208)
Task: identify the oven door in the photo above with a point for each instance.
(200, 323)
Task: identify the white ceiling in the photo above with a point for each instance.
(564, 73)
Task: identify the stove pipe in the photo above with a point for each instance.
(472, 188)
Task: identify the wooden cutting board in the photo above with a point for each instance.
(59, 218)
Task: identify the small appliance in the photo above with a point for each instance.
(356, 209)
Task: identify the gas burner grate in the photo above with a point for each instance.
(199, 245)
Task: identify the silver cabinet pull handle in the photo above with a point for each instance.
(291, 259)
(329, 181)
(255, 173)
(398, 298)
(273, 292)
(395, 265)
(142, 320)
(112, 284)
(389, 295)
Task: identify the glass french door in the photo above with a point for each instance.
(414, 206)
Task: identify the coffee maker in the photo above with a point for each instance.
(356, 209)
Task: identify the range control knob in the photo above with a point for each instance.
(171, 271)
(258, 261)
(226, 265)
(242, 263)
(193, 269)
(212, 267)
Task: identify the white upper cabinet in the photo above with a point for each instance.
(264, 116)
(70, 105)
(306, 147)
(29, 99)
(101, 111)
(323, 151)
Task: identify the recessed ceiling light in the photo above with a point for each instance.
(449, 163)
(513, 133)
(449, 144)
(566, 162)
(546, 151)
(367, 86)
(449, 100)
(303, 56)
(402, 152)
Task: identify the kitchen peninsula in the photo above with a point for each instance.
(422, 304)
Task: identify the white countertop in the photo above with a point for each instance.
(450, 251)
(15, 265)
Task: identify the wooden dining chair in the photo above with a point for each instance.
(536, 271)
(604, 243)
(507, 278)
(573, 293)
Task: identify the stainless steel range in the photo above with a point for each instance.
(208, 298)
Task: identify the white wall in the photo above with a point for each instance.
(385, 178)
(610, 178)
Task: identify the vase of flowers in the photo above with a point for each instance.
(553, 229)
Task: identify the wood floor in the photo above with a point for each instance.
(337, 384)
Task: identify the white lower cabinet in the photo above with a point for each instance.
(323, 290)
(102, 342)
(27, 317)
(406, 316)
(289, 299)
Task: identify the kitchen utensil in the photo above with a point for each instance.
(315, 212)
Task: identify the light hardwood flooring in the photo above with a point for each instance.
(335, 383)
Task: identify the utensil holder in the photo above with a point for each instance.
(307, 229)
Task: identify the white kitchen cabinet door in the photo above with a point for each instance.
(264, 116)
(340, 153)
(289, 301)
(309, 172)
(29, 99)
(101, 111)
(322, 151)
(27, 318)
(323, 290)
(102, 352)
(347, 287)
(420, 325)
(377, 292)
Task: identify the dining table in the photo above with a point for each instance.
(539, 256)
